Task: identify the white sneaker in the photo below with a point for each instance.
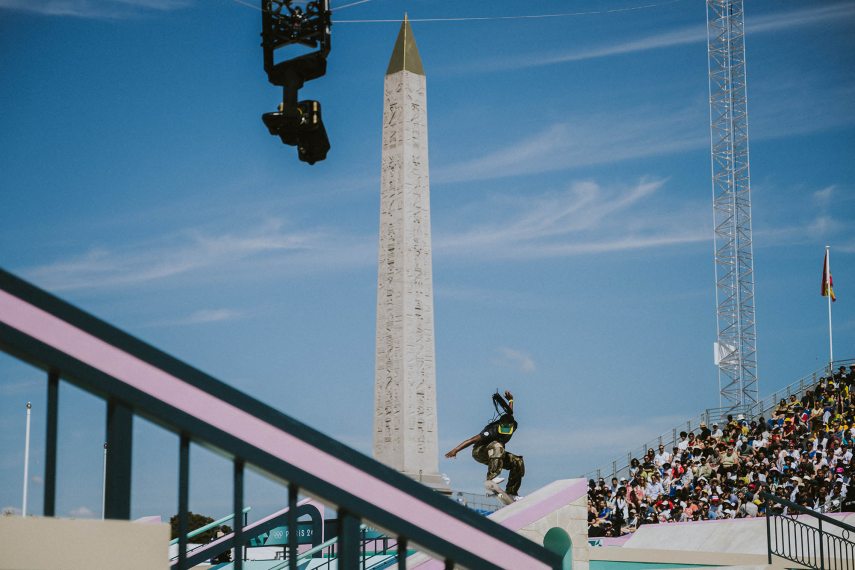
(517, 497)
(498, 480)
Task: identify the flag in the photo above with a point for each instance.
(827, 281)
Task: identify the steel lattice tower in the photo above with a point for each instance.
(734, 258)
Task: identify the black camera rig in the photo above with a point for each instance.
(284, 24)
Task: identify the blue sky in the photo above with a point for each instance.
(571, 209)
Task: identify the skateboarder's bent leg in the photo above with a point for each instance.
(492, 455)
(516, 466)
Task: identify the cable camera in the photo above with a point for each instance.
(296, 123)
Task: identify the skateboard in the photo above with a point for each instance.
(494, 489)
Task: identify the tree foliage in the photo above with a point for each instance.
(195, 521)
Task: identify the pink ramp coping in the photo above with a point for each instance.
(180, 395)
(545, 500)
(532, 508)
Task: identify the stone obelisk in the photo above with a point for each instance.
(405, 427)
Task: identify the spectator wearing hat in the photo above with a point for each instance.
(714, 511)
(728, 460)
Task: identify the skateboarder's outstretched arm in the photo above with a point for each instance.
(463, 445)
(510, 398)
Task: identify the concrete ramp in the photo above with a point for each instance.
(562, 503)
(736, 536)
(734, 544)
(742, 536)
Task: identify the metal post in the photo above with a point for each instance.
(348, 540)
(183, 499)
(614, 469)
(768, 531)
(26, 461)
(292, 527)
(402, 553)
(363, 546)
(117, 492)
(49, 509)
(238, 514)
(821, 548)
(104, 483)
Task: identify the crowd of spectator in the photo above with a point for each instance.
(802, 453)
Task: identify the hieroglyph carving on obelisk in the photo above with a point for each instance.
(405, 430)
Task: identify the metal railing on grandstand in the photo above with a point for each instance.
(480, 503)
(137, 380)
(807, 537)
(620, 466)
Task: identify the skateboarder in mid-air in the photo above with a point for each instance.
(490, 450)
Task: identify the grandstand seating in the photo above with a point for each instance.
(801, 450)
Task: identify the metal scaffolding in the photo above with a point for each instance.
(736, 348)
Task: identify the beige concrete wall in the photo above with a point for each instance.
(37, 543)
(573, 519)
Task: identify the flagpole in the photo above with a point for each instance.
(26, 462)
(104, 485)
(830, 337)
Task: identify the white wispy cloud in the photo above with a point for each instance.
(517, 359)
(823, 197)
(202, 316)
(818, 14)
(585, 140)
(95, 9)
(599, 138)
(22, 387)
(197, 251)
(821, 218)
(587, 217)
(584, 219)
(81, 512)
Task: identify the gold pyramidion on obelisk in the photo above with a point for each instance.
(405, 426)
(405, 55)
